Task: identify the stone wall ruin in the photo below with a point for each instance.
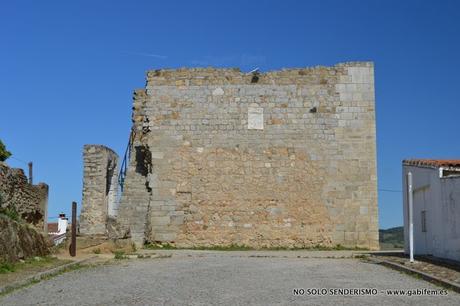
(279, 159)
(29, 201)
(100, 189)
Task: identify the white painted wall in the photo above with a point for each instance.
(112, 197)
(449, 245)
(440, 198)
(62, 226)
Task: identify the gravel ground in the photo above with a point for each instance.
(225, 281)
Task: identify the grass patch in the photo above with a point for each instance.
(32, 262)
(119, 255)
(6, 267)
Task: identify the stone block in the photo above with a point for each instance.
(156, 220)
(165, 237)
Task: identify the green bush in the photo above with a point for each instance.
(119, 255)
(11, 213)
(6, 267)
(4, 153)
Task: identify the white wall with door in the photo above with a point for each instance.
(436, 211)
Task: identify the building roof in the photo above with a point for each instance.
(52, 227)
(436, 163)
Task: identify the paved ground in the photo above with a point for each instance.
(444, 270)
(225, 280)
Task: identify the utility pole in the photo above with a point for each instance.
(30, 173)
(411, 216)
(73, 241)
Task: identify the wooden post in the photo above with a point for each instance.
(73, 243)
(30, 173)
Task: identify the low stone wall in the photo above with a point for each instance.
(20, 240)
(29, 201)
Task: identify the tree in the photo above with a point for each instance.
(4, 153)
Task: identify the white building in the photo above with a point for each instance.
(57, 231)
(436, 207)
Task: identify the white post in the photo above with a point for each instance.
(411, 216)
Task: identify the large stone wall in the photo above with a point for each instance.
(100, 187)
(279, 159)
(29, 201)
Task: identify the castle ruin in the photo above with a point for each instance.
(219, 157)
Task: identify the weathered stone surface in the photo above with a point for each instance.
(113, 229)
(284, 159)
(29, 201)
(20, 240)
(100, 188)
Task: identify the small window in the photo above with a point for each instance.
(450, 172)
(423, 221)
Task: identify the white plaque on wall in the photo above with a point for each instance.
(255, 118)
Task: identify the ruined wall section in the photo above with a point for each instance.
(29, 201)
(280, 159)
(135, 199)
(100, 187)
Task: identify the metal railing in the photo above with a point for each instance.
(125, 162)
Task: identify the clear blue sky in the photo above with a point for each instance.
(68, 70)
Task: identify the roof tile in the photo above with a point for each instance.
(433, 162)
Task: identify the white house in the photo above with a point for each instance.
(436, 207)
(57, 231)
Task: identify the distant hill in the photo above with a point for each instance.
(392, 238)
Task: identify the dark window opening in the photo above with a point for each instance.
(143, 160)
(108, 179)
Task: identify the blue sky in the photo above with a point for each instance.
(68, 70)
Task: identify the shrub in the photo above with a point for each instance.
(4, 153)
(11, 213)
(119, 255)
(6, 267)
